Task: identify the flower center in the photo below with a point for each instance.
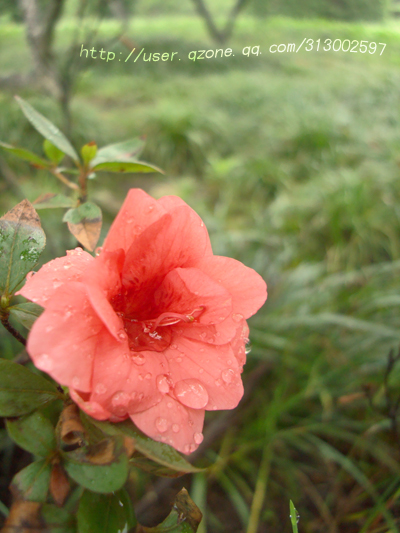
(155, 334)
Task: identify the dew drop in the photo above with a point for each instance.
(49, 328)
(150, 208)
(129, 220)
(175, 428)
(98, 250)
(141, 396)
(169, 405)
(218, 382)
(179, 359)
(198, 438)
(75, 382)
(67, 315)
(100, 388)
(236, 317)
(122, 335)
(138, 359)
(201, 224)
(186, 448)
(161, 424)
(30, 275)
(201, 350)
(66, 266)
(148, 375)
(201, 370)
(228, 375)
(247, 349)
(44, 362)
(174, 346)
(162, 383)
(120, 402)
(192, 393)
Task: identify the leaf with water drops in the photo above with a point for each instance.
(22, 240)
(105, 513)
(84, 222)
(22, 391)
(102, 467)
(123, 151)
(294, 517)
(184, 517)
(168, 458)
(32, 483)
(47, 129)
(34, 433)
(26, 155)
(26, 313)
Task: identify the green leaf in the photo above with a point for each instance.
(160, 453)
(126, 166)
(22, 240)
(47, 129)
(32, 483)
(51, 201)
(185, 517)
(26, 313)
(22, 391)
(53, 153)
(84, 222)
(123, 151)
(105, 513)
(88, 152)
(26, 155)
(294, 517)
(102, 467)
(34, 433)
(57, 519)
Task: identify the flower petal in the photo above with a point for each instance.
(189, 290)
(171, 422)
(125, 381)
(64, 339)
(247, 288)
(40, 287)
(215, 367)
(94, 409)
(138, 211)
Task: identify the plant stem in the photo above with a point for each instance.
(11, 329)
(260, 489)
(65, 180)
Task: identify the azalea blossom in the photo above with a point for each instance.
(152, 328)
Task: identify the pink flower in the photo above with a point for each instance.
(153, 328)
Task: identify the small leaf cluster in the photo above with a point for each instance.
(76, 482)
(84, 218)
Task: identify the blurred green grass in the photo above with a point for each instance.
(293, 162)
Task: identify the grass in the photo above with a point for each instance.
(292, 160)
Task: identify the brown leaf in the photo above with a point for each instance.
(101, 453)
(23, 213)
(59, 484)
(86, 232)
(70, 427)
(187, 509)
(129, 445)
(24, 517)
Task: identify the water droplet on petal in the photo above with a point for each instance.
(169, 405)
(29, 275)
(218, 382)
(67, 315)
(98, 250)
(75, 382)
(162, 383)
(150, 208)
(129, 220)
(148, 375)
(198, 438)
(247, 349)
(66, 266)
(138, 359)
(175, 428)
(192, 393)
(120, 402)
(100, 388)
(49, 328)
(141, 396)
(162, 424)
(179, 359)
(44, 362)
(186, 448)
(228, 375)
(236, 317)
(122, 335)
